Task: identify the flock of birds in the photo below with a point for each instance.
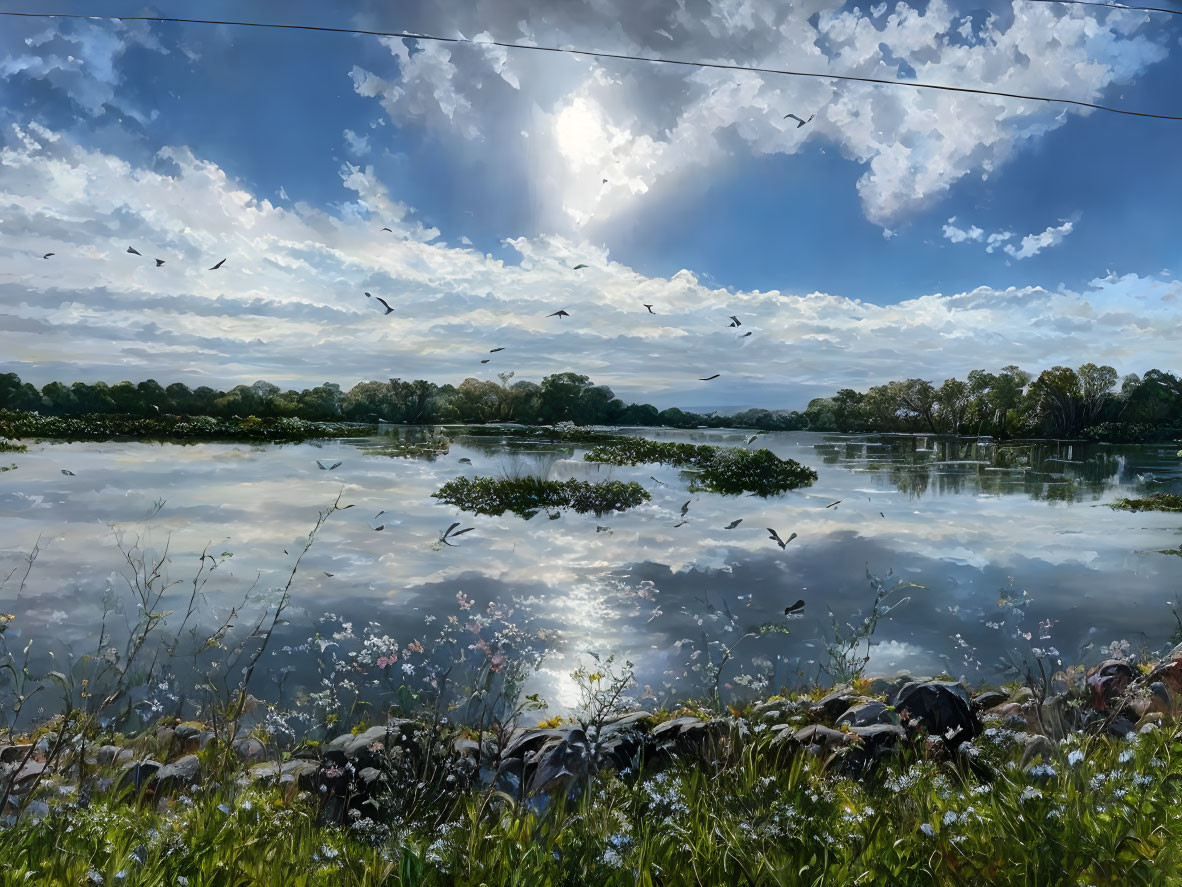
(387, 309)
(135, 252)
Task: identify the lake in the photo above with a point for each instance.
(1009, 546)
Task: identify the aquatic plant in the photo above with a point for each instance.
(1156, 502)
(107, 427)
(730, 470)
(526, 495)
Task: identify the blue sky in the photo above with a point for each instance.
(901, 232)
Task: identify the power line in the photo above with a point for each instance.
(1112, 6)
(608, 55)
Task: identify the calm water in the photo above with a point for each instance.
(1006, 541)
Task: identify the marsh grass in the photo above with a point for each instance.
(728, 470)
(1095, 810)
(527, 494)
(113, 427)
(1156, 502)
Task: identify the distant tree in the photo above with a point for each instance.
(952, 403)
(58, 400)
(560, 396)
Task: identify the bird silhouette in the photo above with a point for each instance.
(795, 608)
(685, 507)
(379, 528)
(831, 504)
(650, 309)
(446, 534)
(328, 574)
(708, 378)
(495, 350)
(385, 304)
(799, 122)
(159, 262)
(218, 265)
(600, 529)
(388, 229)
(661, 482)
(775, 537)
(745, 335)
(752, 438)
(134, 251)
(485, 360)
(733, 524)
(324, 466)
(580, 265)
(68, 472)
(464, 460)
(680, 523)
(559, 313)
(47, 255)
(735, 321)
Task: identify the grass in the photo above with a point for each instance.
(1095, 810)
(110, 427)
(1156, 502)
(526, 495)
(7, 446)
(729, 470)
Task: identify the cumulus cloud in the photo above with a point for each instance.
(644, 128)
(1033, 244)
(355, 144)
(288, 305)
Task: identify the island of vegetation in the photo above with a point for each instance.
(525, 496)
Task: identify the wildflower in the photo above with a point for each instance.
(928, 830)
(224, 808)
(1030, 793)
(94, 877)
(950, 817)
(1125, 756)
(1074, 757)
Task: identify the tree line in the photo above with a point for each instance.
(1059, 402)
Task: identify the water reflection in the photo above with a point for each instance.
(960, 517)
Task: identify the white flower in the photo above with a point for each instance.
(1074, 757)
(927, 829)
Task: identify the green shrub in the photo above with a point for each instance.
(1156, 502)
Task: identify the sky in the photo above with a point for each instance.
(898, 233)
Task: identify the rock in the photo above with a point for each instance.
(180, 773)
(107, 754)
(1022, 694)
(11, 754)
(1168, 671)
(888, 686)
(522, 741)
(1037, 746)
(1005, 710)
(31, 770)
(866, 713)
(560, 763)
(819, 734)
(943, 708)
(136, 775)
(631, 719)
(1107, 682)
(829, 707)
(250, 748)
(988, 700)
(370, 776)
(1162, 693)
(188, 730)
(1119, 726)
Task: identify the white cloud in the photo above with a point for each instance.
(355, 144)
(1033, 244)
(288, 305)
(646, 127)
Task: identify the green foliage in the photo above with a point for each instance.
(107, 427)
(10, 447)
(1156, 502)
(523, 495)
(729, 470)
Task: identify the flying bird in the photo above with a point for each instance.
(67, 471)
(134, 251)
(218, 265)
(486, 360)
(559, 313)
(555, 516)
(745, 335)
(799, 122)
(708, 378)
(376, 529)
(733, 524)
(680, 523)
(159, 262)
(661, 482)
(735, 321)
(383, 301)
(47, 255)
(831, 504)
(604, 182)
(650, 308)
(495, 350)
(883, 516)
(795, 608)
(599, 529)
(752, 438)
(685, 507)
(328, 574)
(464, 460)
(580, 265)
(387, 229)
(446, 534)
(324, 466)
(775, 537)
